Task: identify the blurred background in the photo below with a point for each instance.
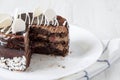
(101, 17)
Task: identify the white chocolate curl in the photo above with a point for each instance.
(18, 25)
(50, 14)
(5, 20)
(38, 11)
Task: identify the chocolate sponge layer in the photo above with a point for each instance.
(54, 40)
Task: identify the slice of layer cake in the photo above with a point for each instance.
(50, 39)
(28, 34)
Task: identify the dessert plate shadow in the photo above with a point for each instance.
(85, 49)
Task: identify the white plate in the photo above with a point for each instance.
(85, 47)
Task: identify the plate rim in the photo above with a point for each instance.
(99, 42)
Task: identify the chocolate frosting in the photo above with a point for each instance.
(10, 53)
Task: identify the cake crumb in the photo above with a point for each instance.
(58, 65)
(70, 52)
(62, 58)
(63, 66)
(40, 59)
(51, 65)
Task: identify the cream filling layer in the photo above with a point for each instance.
(56, 38)
(59, 46)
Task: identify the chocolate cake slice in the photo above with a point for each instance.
(29, 34)
(50, 39)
